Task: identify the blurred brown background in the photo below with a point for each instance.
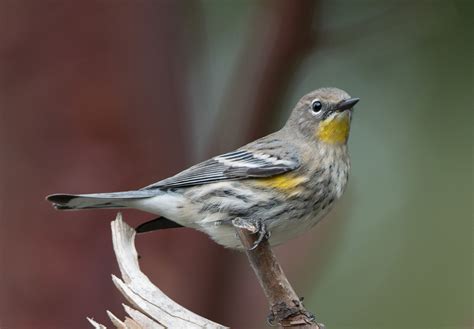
(113, 95)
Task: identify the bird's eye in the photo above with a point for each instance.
(316, 106)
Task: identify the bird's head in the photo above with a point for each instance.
(324, 115)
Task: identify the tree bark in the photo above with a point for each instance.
(286, 307)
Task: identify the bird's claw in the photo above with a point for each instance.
(263, 234)
(255, 227)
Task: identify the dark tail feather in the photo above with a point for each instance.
(156, 224)
(97, 200)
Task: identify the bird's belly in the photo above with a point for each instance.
(212, 208)
(282, 220)
(281, 230)
(289, 229)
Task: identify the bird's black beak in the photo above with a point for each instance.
(347, 104)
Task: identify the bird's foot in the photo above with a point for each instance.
(254, 227)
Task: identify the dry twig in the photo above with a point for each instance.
(285, 306)
(153, 309)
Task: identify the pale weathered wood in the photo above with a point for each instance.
(95, 324)
(119, 324)
(141, 318)
(153, 308)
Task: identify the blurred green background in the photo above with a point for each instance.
(114, 95)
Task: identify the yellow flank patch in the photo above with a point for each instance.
(286, 182)
(335, 130)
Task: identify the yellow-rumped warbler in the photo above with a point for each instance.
(283, 183)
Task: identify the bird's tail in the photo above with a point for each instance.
(98, 200)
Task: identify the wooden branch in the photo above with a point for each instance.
(286, 307)
(152, 308)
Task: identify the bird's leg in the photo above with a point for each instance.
(253, 226)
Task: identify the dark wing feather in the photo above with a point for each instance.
(235, 165)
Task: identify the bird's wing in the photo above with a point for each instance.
(235, 165)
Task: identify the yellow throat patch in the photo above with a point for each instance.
(335, 130)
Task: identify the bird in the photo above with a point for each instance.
(280, 185)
